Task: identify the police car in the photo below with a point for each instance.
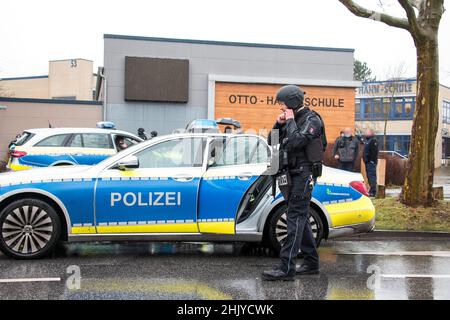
(180, 187)
(66, 146)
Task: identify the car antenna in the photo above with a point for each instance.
(49, 124)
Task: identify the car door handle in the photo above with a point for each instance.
(183, 178)
(245, 176)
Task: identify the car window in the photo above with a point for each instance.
(96, 140)
(76, 141)
(53, 141)
(185, 152)
(238, 151)
(23, 138)
(131, 141)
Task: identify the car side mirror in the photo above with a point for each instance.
(129, 162)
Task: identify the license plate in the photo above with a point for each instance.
(282, 180)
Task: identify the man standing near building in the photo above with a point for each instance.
(302, 140)
(370, 157)
(346, 150)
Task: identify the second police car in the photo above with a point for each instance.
(181, 187)
(49, 147)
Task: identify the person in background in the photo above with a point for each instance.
(341, 135)
(370, 157)
(153, 134)
(142, 134)
(346, 150)
(228, 129)
(121, 144)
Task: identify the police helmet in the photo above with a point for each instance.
(292, 96)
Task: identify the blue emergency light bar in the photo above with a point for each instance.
(106, 125)
(204, 124)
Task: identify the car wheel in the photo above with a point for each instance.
(277, 231)
(29, 229)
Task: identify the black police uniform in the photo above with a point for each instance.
(370, 157)
(300, 138)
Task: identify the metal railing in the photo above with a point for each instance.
(394, 153)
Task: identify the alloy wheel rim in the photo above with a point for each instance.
(27, 229)
(281, 228)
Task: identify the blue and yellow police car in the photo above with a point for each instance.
(180, 187)
(66, 146)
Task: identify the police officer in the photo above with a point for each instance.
(142, 134)
(302, 141)
(370, 157)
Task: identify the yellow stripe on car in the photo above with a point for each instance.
(204, 227)
(348, 213)
(19, 167)
(216, 227)
(149, 228)
(83, 230)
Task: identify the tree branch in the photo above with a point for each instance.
(360, 11)
(415, 3)
(408, 6)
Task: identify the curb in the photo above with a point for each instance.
(397, 235)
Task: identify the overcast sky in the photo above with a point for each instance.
(34, 32)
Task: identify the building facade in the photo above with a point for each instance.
(63, 98)
(388, 106)
(163, 84)
(19, 114)
(69, 79)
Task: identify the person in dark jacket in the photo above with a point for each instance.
(346, 150)
(370, 157)
(142, 134)
(300, 135)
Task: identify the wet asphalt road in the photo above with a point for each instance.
(406, 269)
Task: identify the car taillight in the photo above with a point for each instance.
(359, 186)
(18, 154)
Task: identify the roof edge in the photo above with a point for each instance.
(25, 78)
(226, 43)
(52, 101)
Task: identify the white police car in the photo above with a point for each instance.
(66, 146)
(183, 187)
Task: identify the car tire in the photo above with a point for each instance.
(277, 230)
(29, 229)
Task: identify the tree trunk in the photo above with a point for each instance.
(418, 186)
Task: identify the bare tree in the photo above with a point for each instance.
(422, 22)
